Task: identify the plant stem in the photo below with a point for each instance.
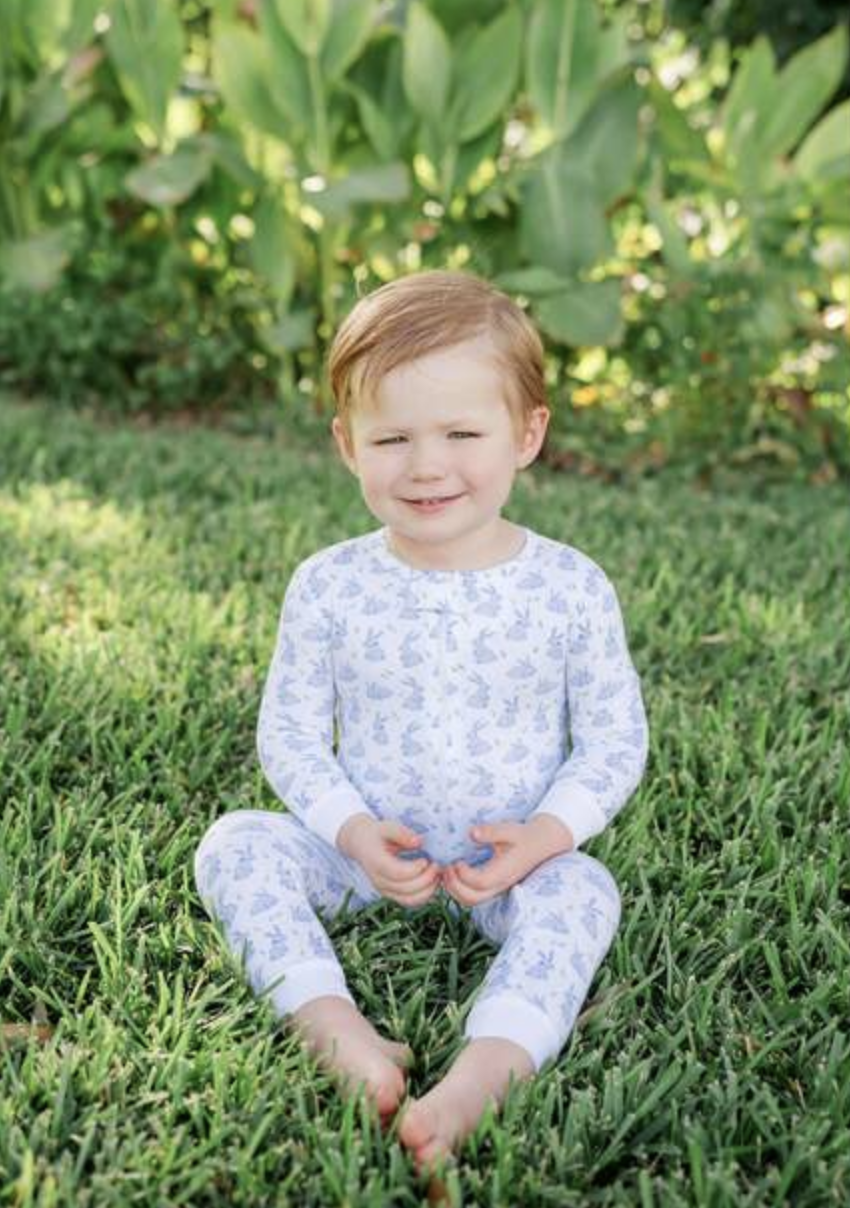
(326, 236)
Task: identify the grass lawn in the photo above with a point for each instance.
(142, 576)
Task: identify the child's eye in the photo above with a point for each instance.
(392, 440)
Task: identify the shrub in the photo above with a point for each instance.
(136, 324)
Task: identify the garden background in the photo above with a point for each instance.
(192, 195)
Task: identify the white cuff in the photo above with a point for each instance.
(510, 1017)
(577, 807)
(327, 816)
(300, 983)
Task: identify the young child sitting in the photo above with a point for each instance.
(451, 707)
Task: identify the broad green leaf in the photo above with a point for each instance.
(562, 220)
(827, 145)
(380, 184)
(469, 155)
(427, 64)
(351, 24)
(562, 61)
(390, 86)
(10, 23)
(241, 71)
(290, 333)
(379, 130)
(167, 180)
(486, 75)
(289, 73)
(306, 21)
(80, 31)
(532, 281)
(832, 202)
(229, 156)
(681, 142)
(273, 250)
(46, 107)
(145, 43)
(587, 313)
(803, 87)
(605, 144)
(41, 25)
(36, 263)
(614, 51)
(750, 96)
(455, 16)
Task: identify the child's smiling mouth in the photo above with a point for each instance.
(435, 504)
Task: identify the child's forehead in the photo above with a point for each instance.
(469, 360)
(442, 407)
(452, 378)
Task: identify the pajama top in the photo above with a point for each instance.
(449, 698)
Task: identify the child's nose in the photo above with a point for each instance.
(426, 462)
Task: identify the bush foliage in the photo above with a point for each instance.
(674, 219)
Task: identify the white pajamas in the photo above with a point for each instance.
(442, 699)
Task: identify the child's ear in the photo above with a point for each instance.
(345, 450)
(533, 437)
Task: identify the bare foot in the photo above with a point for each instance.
(345, 1042)
(434, 1126)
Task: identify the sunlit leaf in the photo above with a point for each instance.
(145, 43)
(427, 63)
(167, 180)
(36, 263)
(486, 74)
(587, 313)
(351, 25)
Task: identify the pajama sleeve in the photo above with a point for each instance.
(608, 727)
(296, 723)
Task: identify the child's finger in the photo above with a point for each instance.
(413, 865)
(415, 893)
(471, 877)
(476, 887)
(454, 888)
(395, 861)
(398, 833)
(409, 872)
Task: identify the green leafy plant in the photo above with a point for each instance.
(750, 283)
(136, 324)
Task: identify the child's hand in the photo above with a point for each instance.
(518, 849)
(375, 845)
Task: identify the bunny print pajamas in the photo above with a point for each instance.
(444, 699)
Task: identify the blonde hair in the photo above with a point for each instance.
(427, 312)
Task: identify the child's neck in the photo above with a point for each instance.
(506, 542)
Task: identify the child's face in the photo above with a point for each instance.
(441, 428)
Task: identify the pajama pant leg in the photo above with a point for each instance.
(263, 875)
(554, 929)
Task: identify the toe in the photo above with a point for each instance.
(433, 1157)
(388, 1090)
(401, 1054)
(418, 1126)
(382, 1082)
